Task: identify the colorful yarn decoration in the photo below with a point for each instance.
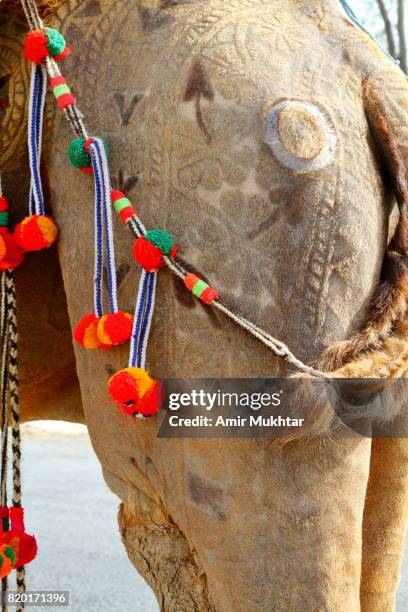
(122, 205)
(4, 215)
(4, 211)
(136, 393)
(45, 42)
(200, 288)
(115, 328)
(17, 548)
(86, 334)
(98, 330)
(3, 248)
(8, 556)
(24, 544)
(62, 92)
(11, 255)
(149, 250)
(36, 232)
(78, 153)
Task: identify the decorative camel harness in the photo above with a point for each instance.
(136, 393)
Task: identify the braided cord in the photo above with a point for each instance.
(10, 394)
(3, 389)
(4, 411)
(74, 117)
(13, 386)
(15, 408)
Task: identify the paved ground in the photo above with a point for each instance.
(68, 507)
(73, 515)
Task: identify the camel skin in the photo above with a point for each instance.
(242, 127)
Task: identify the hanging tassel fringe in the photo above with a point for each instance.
(37, 231)
(135, 392)
(98, 330)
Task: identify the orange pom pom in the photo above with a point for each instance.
(3, 248)
(136, 393)
(8, 557)
(86, 335)
(11, 254)
(36, 232)
(115, 328)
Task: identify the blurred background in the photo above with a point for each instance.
(386, 20)
(75, 505)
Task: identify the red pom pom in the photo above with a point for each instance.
(147, 255)
(136, 393)
(86, 335)
(115, 328)
(36, 232)
(27, 549)
(63, 54)
(84, 323)
(3, 204)
(27, 545)
(11, 255)
(35, 46)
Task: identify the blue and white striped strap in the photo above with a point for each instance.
(143, 319)
(38, 90)
(99, 251)
(103, 224)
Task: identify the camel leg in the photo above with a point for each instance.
(157, 548)
(251, 526)
(384, 524)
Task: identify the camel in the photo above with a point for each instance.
(294, 229)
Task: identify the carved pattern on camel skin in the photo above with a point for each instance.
(394, 344)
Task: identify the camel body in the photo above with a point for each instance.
(242, 127)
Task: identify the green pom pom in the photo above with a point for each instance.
(9, 552)
(55, 41)
(4, 217)
(78, 157)
(161, 239)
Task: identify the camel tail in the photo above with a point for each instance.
(387, 308)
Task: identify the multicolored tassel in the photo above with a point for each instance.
(149, 250)
(37, 231)
(11, 255)
(98, 330)
(133, 389)
(43, 43)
